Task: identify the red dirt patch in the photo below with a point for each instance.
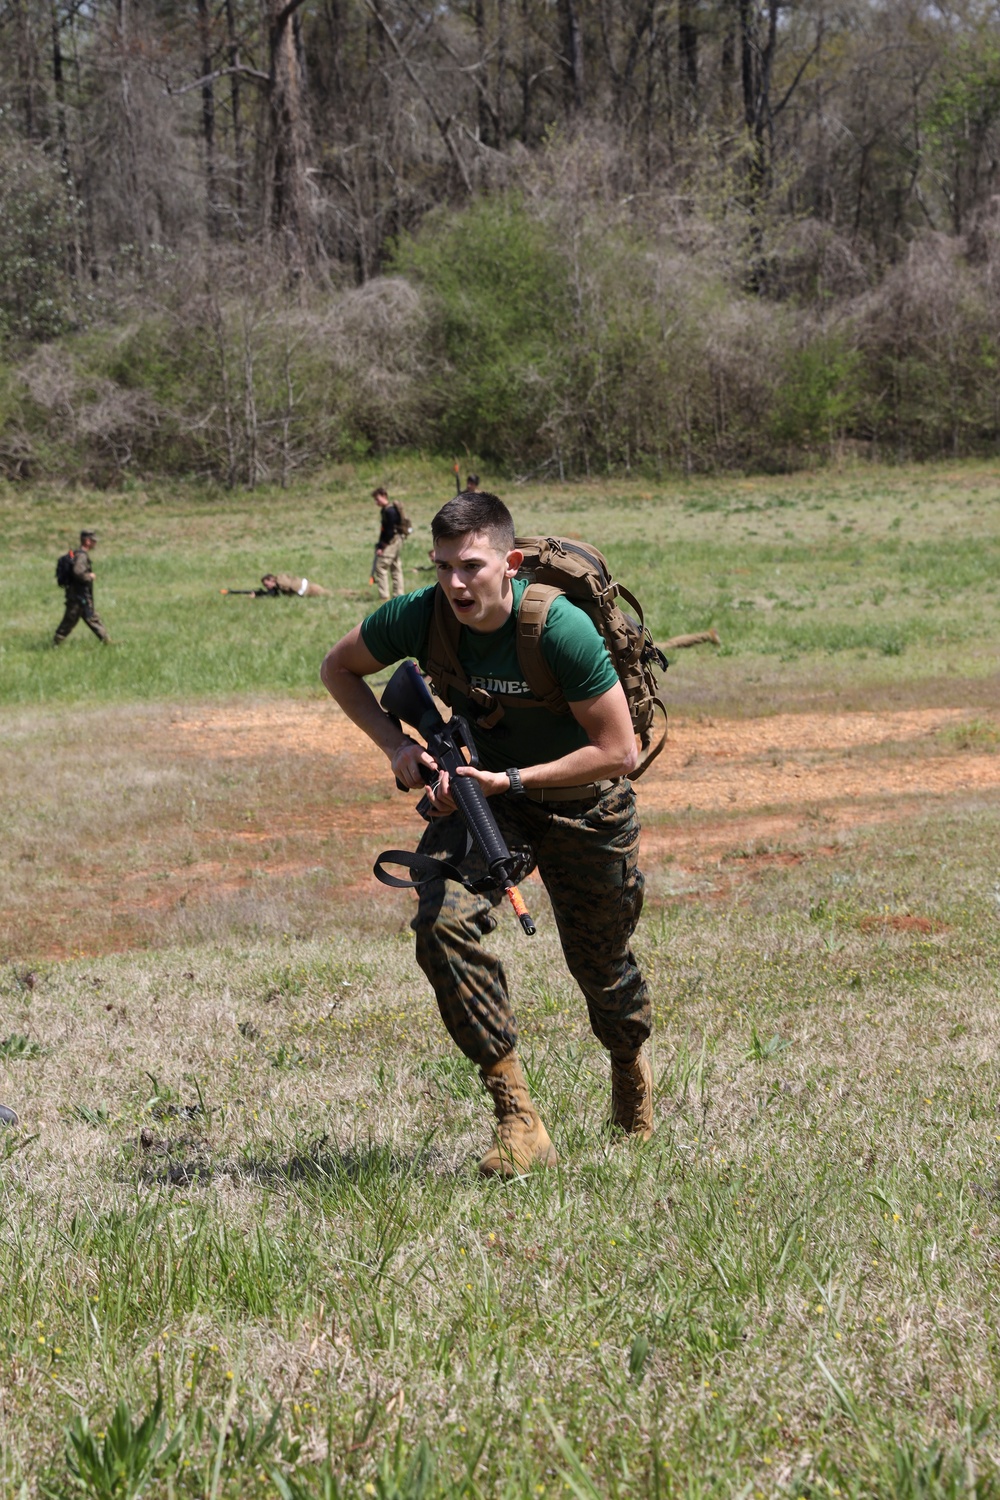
(901, 924)
(748, 796)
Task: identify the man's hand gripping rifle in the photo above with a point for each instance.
(408, 699)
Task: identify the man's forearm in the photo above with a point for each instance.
(589, 763)
(359, 703)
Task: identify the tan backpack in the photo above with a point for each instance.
(405, 527)
(553, 566)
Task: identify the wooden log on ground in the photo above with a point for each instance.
(699, 638)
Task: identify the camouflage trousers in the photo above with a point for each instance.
(587, 857)
(79, 607)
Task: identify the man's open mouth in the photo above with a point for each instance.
(462, 605)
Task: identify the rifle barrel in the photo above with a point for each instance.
(408, 698)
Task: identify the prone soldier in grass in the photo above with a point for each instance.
(283, 585)
(559, 790)
(75, 573)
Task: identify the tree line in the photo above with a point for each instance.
(241, 236)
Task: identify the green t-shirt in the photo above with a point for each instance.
(573, 650)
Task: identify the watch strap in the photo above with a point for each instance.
(516, 784)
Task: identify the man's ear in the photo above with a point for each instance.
(514, 560)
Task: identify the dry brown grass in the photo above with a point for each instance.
(191, 825)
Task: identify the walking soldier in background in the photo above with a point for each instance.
(560, 795)
(75, 574)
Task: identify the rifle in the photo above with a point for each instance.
(240, 591)
(458, 477)
(407, 698)
(371, 576)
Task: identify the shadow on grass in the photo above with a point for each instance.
(320, 1164)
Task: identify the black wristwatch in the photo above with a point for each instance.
(516, 784)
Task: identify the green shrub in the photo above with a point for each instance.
(501, 306)
(818, 393)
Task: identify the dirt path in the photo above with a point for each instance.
(752, 775)
(295, 827)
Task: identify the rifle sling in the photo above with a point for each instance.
(427, 868)
(433, 869)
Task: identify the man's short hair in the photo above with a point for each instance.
(475, 510)
(380, 491)
(86, 535)
(472, 483)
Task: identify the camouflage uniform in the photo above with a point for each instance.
(287, 583)
(80, 602)
(586, 852)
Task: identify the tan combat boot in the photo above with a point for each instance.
(521, 1139)
(632, 1095)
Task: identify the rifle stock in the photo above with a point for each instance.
(407, 697)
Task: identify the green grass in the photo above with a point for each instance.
(243, 1248)
(792, 1289)
(877, 580)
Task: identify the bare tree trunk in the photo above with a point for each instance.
(74, 249)
(130, 160)
(250, 428)
(525, 73)
(687, 58)
(234, 99)
(208, 120)
(482, 65)
(756, 61)
(501, 112)
(572, 55)
(289, 202)
(287, 415)
(27, 68)
(218, 326)
(727, 63)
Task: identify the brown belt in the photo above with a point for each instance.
(591, 792)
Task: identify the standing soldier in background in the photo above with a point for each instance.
(76, 575)
(389, 546)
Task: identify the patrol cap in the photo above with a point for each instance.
(88, 533)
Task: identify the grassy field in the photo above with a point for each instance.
(852, 585)
(244, 1249)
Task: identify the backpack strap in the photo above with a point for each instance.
(649, 755)
(535, 603)
(446, 672)
(532, 613)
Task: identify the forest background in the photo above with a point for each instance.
(242, 238)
